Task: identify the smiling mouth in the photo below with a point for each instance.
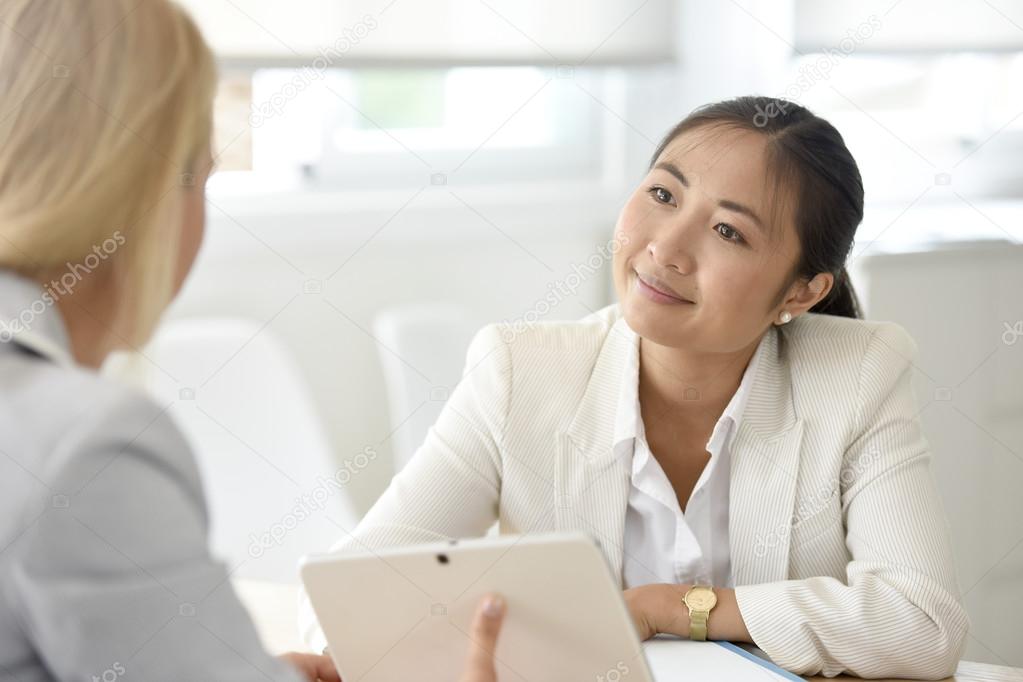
(657, 290)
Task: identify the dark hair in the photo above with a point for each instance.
(809, 159)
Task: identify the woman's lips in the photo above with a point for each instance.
(648, 286)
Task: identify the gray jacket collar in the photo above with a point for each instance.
(30, 319)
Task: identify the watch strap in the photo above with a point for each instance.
(698, 625)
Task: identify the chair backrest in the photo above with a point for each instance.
(275, 489)
(422, 352)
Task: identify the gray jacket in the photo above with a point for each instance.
(105, 572)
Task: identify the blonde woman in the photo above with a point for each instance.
(104, 154)
(745, 448)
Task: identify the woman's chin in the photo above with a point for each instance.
(654, 322)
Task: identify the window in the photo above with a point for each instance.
(364, 128)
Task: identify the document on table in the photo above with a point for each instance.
(673, 659)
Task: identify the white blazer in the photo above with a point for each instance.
(839, 547)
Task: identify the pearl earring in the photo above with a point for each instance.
(786, 317)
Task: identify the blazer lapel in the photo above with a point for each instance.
(764, 469)
(592, 484)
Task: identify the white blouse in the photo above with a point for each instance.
(663, 544)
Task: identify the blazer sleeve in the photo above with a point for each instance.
(451, 485)
(898, 613)
(113, 576)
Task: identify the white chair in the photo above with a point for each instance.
(422, 352)
(274, 488)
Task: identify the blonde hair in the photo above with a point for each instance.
(107, 107)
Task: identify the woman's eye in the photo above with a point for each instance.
(729, 233)
(661, 195)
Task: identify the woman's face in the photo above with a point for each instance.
(697, 228)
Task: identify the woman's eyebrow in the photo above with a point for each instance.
(674, 170)
(744, 210)
(726, 204)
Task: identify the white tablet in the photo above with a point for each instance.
(403, 614)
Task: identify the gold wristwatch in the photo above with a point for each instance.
(700, 599)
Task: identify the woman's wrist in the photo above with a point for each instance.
(668, 613)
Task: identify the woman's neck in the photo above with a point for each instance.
(695, 387)
(90, 319)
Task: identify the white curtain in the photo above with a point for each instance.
(909, 25)
(440, 32)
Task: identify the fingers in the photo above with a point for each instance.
(325, 669)
(314, 667)
(486, 625)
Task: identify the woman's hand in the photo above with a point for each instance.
(479, 663)
(314, 667)
(644, 606)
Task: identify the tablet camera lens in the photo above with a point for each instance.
(442, 558)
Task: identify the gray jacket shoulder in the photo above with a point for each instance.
(67, 423)
(105, 533)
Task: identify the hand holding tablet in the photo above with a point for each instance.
(486, 625)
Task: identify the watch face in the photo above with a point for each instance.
(701, 599)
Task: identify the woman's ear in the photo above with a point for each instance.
(807, 294)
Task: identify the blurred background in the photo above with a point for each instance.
(394, 175)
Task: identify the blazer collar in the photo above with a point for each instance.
(592, 427)
(29, 319)
(593, 485)
(765, 468)
(767, 414)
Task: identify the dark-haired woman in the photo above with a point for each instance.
(745, 448)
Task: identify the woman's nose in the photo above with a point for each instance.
(670, 255)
